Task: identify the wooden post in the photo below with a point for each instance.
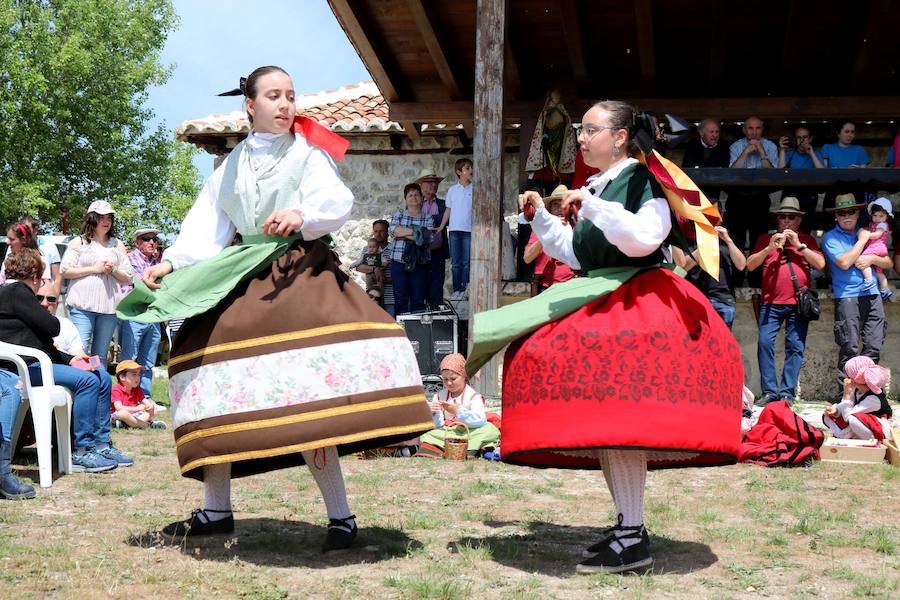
(487, 196)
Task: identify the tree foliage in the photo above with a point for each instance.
(74, 126)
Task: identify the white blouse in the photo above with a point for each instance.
(95, 293)
(634, 234)
(326, 205)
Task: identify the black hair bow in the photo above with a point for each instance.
(238, 91)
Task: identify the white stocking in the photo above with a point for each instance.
(217, 491)
(627, 479)
(325, 466)
(604, 466)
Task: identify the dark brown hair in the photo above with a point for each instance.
(23, 232)
(461, 163)
(250, 85)
(24, 264)
(411, 186)
(621, 116)
(89, 223)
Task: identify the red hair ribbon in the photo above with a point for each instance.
(22, 229)
(321, 137)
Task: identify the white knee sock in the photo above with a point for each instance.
(325, 466)
(217, 491)
(628, 477)
(604, 466)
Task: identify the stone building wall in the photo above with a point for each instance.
(376, 174)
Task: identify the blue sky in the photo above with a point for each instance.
(217, 41)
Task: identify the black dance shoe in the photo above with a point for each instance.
(341, 534)
(200, 524)
(608, 560)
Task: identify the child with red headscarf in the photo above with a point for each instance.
(864, 412)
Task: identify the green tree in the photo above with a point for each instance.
(74, 127)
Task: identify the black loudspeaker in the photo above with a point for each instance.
(433, 337)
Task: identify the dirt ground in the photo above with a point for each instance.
(439, 529)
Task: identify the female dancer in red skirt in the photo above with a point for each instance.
(626, 369)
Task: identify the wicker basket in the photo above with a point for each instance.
(456, 446)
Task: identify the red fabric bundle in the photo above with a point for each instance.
(781, 438)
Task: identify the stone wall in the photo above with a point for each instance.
(818, 376)
(377, 179)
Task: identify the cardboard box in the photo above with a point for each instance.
(852, 451)
(893, 448)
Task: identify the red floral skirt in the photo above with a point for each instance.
(649, 366)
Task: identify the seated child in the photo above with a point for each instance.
(864, 412)
(128, 403)
(458, 403)
(880, 211)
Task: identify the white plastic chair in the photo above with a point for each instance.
(46, 401)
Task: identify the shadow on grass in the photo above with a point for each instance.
(552, 549)
(273, 542)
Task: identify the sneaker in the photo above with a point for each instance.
(886, 293)
(118, 424)
(200, 524)
(610, 560)
(764, 399)
(160, 408)
(341, 534)
(89, 461)
(157, 425)
(110, 452)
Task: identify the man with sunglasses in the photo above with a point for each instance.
(779, 299)
(140, 341)
(859, 323)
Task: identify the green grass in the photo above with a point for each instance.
(428, 586)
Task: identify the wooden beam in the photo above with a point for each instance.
(643, 15)
(511, 76)
(790, 49)
(787, 107)
(431, 36)
(487, 195)
(875, 22)
(717, 46)
(358, 30)
(571, 29)
(411, 129)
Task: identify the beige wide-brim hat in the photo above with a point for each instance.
(789, 205)
(557, 194)
(428, 174)
(844, 201)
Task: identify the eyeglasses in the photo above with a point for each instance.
(846, 213)
(148, 239)
(788, 217)
(587, 131)
(49, 299)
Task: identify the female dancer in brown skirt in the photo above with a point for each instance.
(264, 372)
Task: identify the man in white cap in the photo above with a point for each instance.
(140, 341)
(784, 254)
(428, 180)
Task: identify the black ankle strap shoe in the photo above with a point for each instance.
(341, 534)
(199, 523)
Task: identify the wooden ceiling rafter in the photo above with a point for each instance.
(430, 31)
(718, 46)
(643, 16)
(369, 47)
(571, 28)
(875, 24)
(780, 107)
(790, 50)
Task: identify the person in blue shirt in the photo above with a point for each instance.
(845, 154)
(859, 323)
(802, 156)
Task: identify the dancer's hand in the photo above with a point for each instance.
(529, 203)
(156, 272)
(283, 222)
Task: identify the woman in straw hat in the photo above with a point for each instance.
(613, 370)
(548, 270)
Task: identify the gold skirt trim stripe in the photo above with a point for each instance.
(284, 337)
(300, 418)
(323, 443)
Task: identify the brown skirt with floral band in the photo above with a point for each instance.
(293, 359)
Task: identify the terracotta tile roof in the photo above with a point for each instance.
(353, 108)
